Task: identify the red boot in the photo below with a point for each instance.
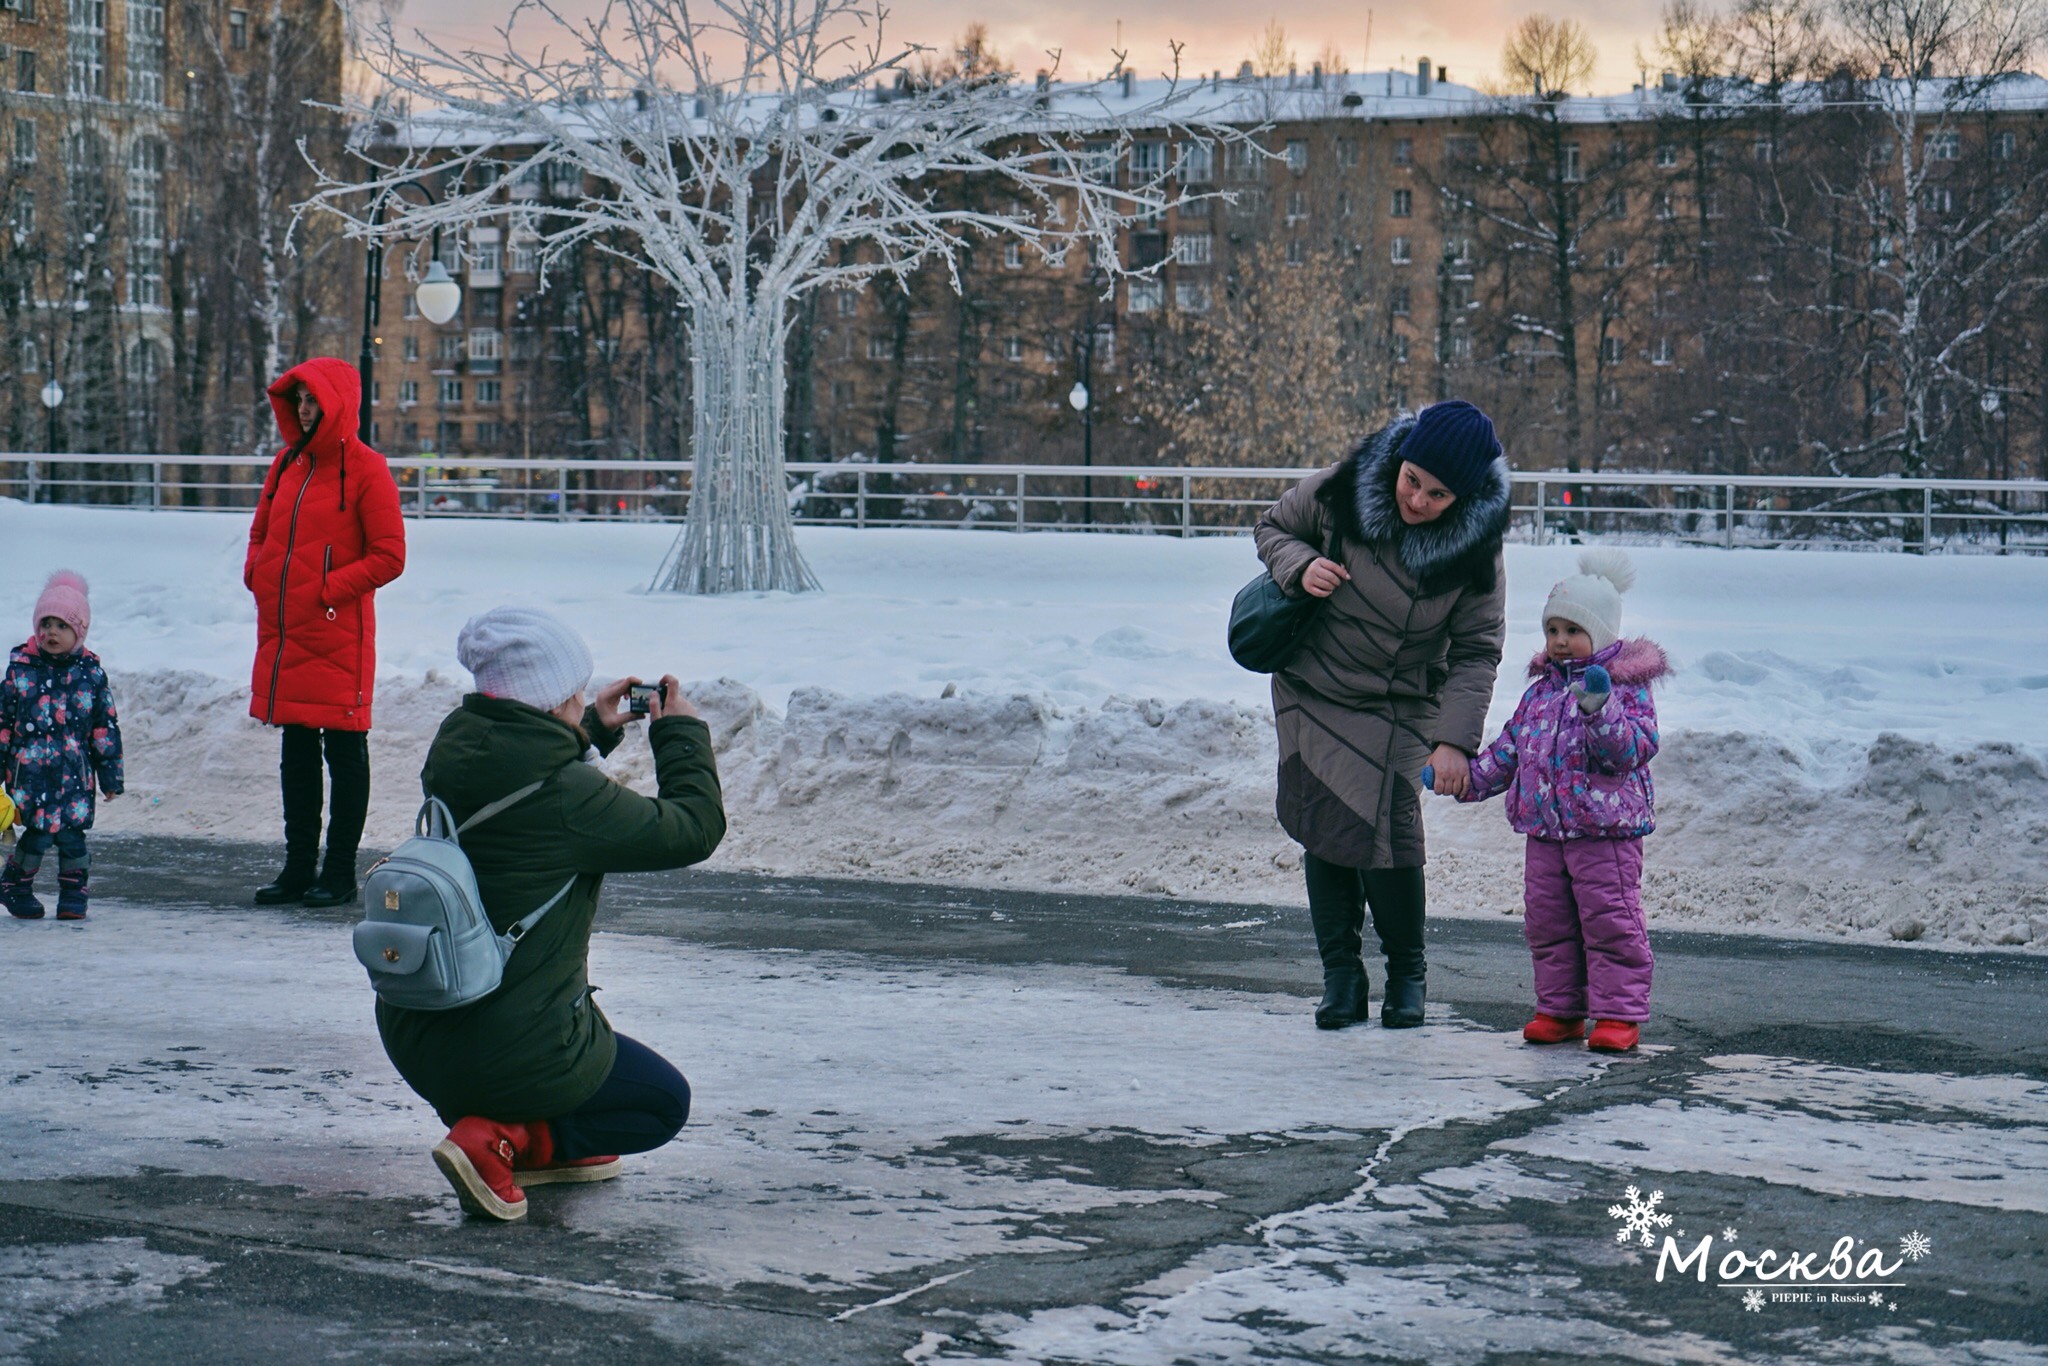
(478, 1158)
(1613, 1036)
(1550, 1029)
(563, 1173)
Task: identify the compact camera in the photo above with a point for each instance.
(640, 697)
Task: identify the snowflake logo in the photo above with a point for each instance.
(1916, 1245)
(1753, 1301)
(1639, 1215)
(1876, 1299)
(1727, 1235)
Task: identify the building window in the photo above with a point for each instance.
(1013, 348)
(1403, 253)
(1194, 248)
(879, 347)
(1197, 163)
(1191, 296)
(1347, 153)
(846, 302)
(1147, 295)
(146, 52)
(1343, 203)
(412, 307)
(1665, 211)
(489, 259)
(1617, 257)
(1397, 301)
(1461, 152)
(1297, 155)
(1148, 160)
(486, 344)
(1247, 161)
(1098, 162)
(1013, 256)
(522, 248)
(408, 392)
(1297, 253)
(1400, 349)
(842, 393)
(25, 141)
(1661, 354)
(1297, 206)
(448, 347)
(29, 358)
(1617, 204)
(1404, 151)
(1461, 346)
(451, 392)
(1610, 350)
(1404, 203)
(1458, 250)
(146, 223)
(2003, 145)
(1763, 149)
(88, 49)
(1946, 145)
(490, 391)
(1617, 152)
(1571, 161)
(412, 348)
(85, 176)
(487, 434)
(565, 179)
(238, 30)
(1667, 154)
(448, 436)
(24, 70)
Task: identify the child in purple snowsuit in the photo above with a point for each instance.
(59, 739)
(1575, 765)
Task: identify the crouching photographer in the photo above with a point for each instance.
(533, 1083)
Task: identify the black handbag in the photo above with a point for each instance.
(1266, 626)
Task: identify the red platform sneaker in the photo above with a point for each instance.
(1613, 1036)
(566, 1173)
(478, 1158)
(1550, 1029)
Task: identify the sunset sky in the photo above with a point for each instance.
(1464, 35)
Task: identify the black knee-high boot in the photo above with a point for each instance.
(1336, 907)
(1396, 897)
(348, 763)
(298, 773)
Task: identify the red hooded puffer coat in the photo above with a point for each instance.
(327, 535)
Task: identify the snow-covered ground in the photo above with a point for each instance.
(1854, 744)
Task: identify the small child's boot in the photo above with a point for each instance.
(1550, 1029)
(17, 892)
(72, 892)
(1613, 1036)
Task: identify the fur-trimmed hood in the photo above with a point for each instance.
(1628, 662)
(1458, 547)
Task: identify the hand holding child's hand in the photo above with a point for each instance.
(1448, 773)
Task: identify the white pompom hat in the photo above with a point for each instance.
(525, 654)
(1591, 598)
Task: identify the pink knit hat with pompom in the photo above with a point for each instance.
(64, 598)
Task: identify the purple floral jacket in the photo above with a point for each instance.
(1570, 776)
(59, 736)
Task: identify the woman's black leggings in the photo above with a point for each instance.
(642, 1105)
(348, 760)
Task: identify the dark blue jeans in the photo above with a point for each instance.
(642, 1105)
(71, 852)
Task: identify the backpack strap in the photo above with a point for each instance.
(503, 803)
(520, 927)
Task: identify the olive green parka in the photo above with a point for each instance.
(538, 1047)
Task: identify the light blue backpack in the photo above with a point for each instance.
(424, 938)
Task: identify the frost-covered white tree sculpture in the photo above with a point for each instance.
(748, 151)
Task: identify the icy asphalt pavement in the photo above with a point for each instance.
(935, 1124)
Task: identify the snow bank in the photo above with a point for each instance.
(1854, 745)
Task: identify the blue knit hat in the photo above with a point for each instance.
(1455, 442)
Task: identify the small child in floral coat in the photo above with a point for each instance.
(1575, 765)
(59, 739)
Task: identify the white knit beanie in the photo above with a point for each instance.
(1591, 598)
(525, 654)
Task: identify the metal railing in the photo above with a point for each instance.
(1707, 509)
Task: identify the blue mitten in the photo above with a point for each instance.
(1593, 689)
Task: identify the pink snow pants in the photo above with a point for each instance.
(1584, 923)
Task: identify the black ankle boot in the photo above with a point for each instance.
(1344, 998)
(337, 882)
(1401, 1007)
(289, 885)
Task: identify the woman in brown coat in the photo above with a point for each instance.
(1402, 539)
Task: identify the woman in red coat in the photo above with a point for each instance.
(327, 535)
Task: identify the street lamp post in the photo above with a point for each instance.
(53, 397)
(1077, 398)
(438, 294)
